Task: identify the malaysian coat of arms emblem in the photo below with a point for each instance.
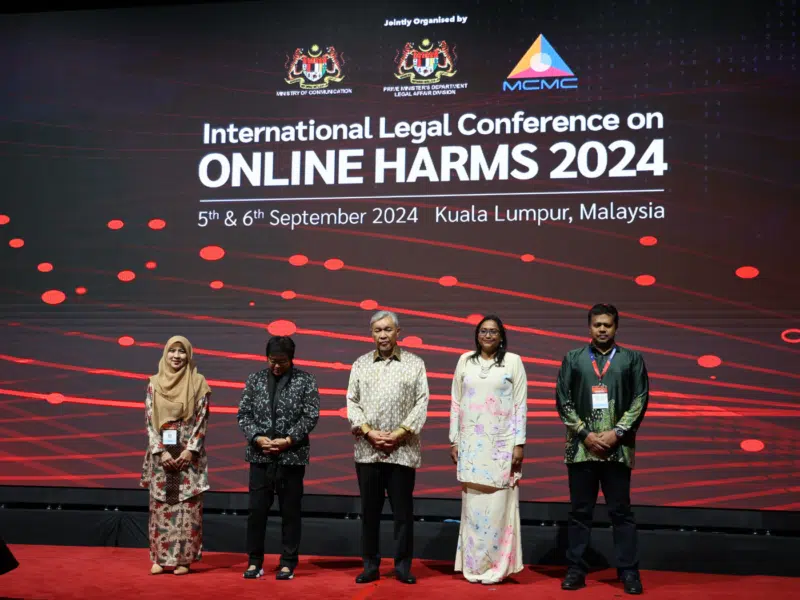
(313, 68)
(427, 63)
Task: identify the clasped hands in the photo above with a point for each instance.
(269, 446)
(601, 443)
(177, 464)
(385, 441)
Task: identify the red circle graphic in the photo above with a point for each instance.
(282, 328)
(298, 260)
(448, 281)
(648, 240)
(747, 272)
(752, 445)
(53, 297)
(709, 361)
(334, 264)
(212, 253)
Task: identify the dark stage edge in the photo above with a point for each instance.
(671, 539)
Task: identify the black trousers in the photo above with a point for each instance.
(585, 479)
(375, 481)
(267, 480)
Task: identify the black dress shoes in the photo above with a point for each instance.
(368, 576)
(284, 575)
(632, 583)
(253, 572)
(573, 581)
(405, 577)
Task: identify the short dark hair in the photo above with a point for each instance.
(280, 344)
(604, 309)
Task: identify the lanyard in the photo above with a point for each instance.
(605, 368)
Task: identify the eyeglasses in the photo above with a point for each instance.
(489, 332)
(281, 363)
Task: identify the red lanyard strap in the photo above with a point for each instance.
(605, 368)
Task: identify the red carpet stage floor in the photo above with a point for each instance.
(121, 573)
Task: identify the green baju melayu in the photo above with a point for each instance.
(627, 387)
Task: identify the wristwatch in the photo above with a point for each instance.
(619, 431)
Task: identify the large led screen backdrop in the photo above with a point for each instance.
(230, 171)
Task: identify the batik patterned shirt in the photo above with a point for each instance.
(296, 413)
(388, 394)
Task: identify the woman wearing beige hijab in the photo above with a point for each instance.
(176, 466)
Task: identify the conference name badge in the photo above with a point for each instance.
(599, 397)
(169, 437)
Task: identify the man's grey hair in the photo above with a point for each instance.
(382, 314)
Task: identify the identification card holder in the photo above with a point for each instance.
(169, 437)
(599, 397)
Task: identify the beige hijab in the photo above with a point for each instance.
(175, 392)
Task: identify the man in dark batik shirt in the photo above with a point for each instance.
(601, 396)
(278, 410)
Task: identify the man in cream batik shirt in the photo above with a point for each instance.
(387, 404)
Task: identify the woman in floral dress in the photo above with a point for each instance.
(488, 418)
(176, 466)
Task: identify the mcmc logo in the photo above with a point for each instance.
(540, 69)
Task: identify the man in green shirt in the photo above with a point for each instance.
(601, 396)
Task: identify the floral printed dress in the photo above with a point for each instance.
(488, 418)
(176, 499)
